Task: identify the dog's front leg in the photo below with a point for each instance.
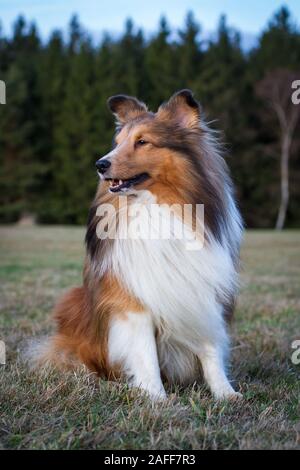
(212, 362)
(132, 345)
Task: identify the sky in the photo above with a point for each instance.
(249, 16)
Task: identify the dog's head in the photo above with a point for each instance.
(153, 150)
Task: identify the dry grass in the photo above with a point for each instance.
(72, 411)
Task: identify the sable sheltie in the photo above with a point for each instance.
(151, 310)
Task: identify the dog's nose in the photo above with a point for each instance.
(102, 165)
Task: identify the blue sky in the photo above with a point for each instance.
(249, 16)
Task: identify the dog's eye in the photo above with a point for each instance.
(140, 142)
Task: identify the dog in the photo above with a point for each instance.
(154, 310)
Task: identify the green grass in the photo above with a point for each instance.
(73, 411)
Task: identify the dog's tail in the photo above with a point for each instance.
(72, 343)
(44, 352)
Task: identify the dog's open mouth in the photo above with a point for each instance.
(117, 185)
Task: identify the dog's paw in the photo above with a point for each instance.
(234, 396)
(157, 396)
(229, 395)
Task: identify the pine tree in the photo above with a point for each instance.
(160, 67)
(22, 138)
(52, 73)
(128, 61)
(73, 151)
(188, 53)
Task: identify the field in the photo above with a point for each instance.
(75, 411)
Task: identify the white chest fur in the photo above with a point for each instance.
(181, 288)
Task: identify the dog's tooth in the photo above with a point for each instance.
(120, 182)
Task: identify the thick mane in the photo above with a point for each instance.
(210, 182)
(91, 239)
(229, 223)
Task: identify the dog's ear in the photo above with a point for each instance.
(125, 108)
(181, 108)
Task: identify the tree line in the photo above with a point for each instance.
(55, 122)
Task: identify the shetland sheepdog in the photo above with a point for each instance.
(152, 310)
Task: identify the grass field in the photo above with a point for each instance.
(73, 411)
